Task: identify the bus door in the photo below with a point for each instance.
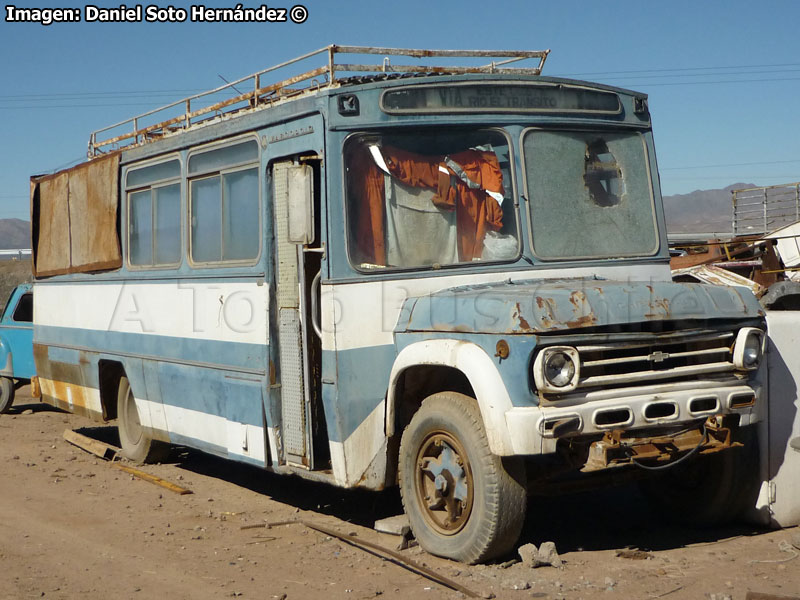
(295, 309)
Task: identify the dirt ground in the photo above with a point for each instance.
(73, 526)
(12, 273)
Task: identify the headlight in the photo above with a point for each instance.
(748, 349)
(556, 369)
(559, 369)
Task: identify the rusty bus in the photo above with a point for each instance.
(450, 278)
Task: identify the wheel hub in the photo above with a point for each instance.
(444, 483)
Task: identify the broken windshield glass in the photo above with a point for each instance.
(590, 194)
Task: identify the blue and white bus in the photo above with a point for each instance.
(451, 278)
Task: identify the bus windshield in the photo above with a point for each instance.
(417, 200)
(590, 194)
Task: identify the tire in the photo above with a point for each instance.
(6, 394)
(137, 444)
(462, 501)
(709, 490)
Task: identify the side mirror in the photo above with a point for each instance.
(301, 204)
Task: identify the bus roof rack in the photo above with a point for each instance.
(185, 113)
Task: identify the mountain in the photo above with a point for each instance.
(701, 210)
(14, 233)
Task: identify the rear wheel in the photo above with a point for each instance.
(6, 394)
(462, 501)
(137, 444)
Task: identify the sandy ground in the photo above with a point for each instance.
(12, 273)
(73, 526)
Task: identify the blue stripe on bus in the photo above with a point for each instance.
(63, 355)
(363, 374)
(231, 355)
(363, 379)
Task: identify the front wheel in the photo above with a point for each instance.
(462, 501)
(137, 444)
(6, 394)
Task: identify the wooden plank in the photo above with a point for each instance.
(96, 447)
(153, 479)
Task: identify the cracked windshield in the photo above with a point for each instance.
(590, 194)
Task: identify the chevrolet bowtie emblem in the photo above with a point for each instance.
(658, 356)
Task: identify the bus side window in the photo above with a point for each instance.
(224, 200)
(154, 215)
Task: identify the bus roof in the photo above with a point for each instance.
(263, 92)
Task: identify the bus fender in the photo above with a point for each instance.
(469, 358)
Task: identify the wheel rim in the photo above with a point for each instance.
(133, 427)
(444, 483)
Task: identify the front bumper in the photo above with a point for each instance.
(536, 430)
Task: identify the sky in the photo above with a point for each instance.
(723, 78)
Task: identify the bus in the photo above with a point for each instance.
(451, 278)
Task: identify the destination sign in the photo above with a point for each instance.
(500, 98)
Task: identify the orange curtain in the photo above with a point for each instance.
(476, 211)
(367, 196)
(461, 181)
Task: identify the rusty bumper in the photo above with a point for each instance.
(619, 447)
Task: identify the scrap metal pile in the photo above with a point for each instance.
(762, 253)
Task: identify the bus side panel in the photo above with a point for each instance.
(357, 433)
(220, 412)
(67, 380)
(194, 352)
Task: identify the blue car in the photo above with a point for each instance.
(16, 344)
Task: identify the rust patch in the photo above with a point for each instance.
(660, 304)
(577, 298)
(620, 447)
(579, 301)
(547, 319)
(41, 355)
(517, 314)
(584, 321)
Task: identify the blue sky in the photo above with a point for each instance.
(723, 77)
